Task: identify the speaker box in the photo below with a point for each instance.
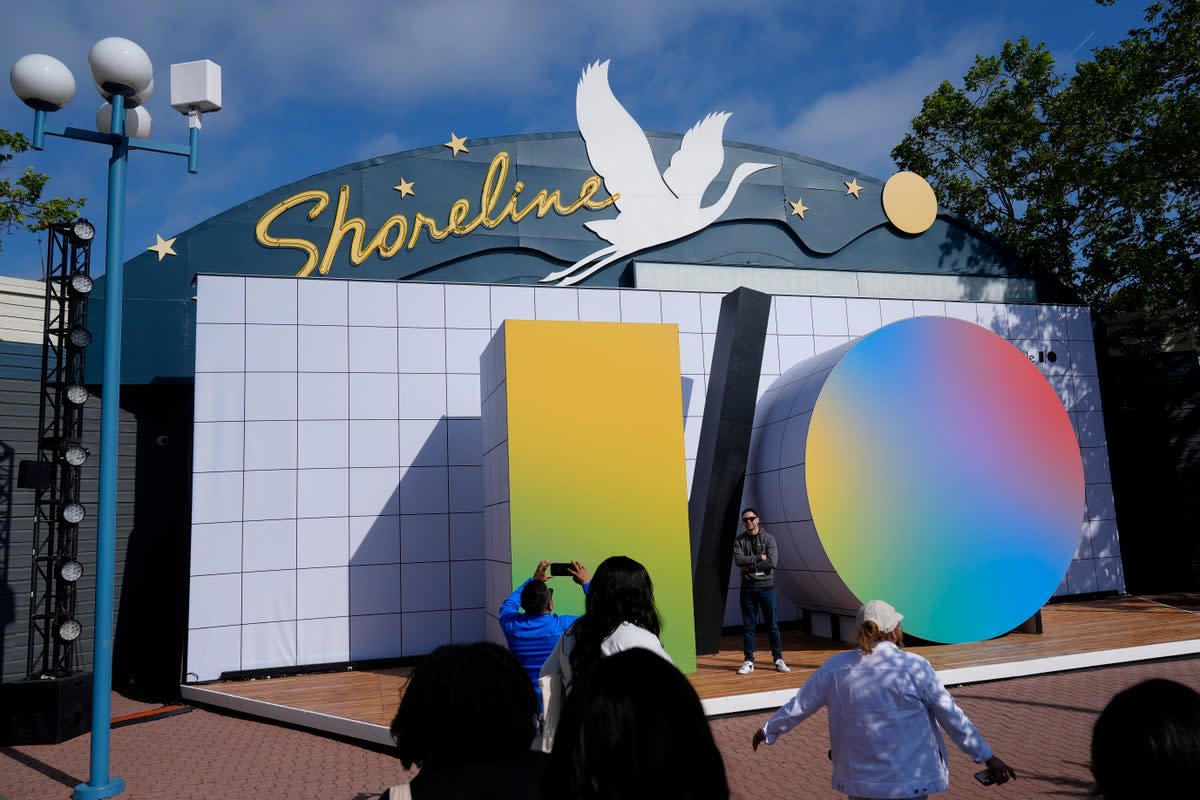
(37, 475)
(46, 710)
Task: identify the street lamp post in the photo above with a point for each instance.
(124, 76)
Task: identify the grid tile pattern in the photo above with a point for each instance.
(339, 500)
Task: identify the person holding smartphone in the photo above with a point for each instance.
(532, 634)
(885, 709)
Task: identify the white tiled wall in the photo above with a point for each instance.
(338, 491)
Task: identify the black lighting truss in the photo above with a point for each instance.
(60, 427)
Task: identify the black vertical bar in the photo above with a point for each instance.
(721, 456)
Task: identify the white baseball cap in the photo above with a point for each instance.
(883, 615)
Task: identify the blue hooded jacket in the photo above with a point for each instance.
(532, 637)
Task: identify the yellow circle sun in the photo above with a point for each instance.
(909, 202)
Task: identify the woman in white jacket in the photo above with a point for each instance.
(885, 706)
(619, 614)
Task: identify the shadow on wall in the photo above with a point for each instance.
(416, 572)
(415, 578)
(981, 255)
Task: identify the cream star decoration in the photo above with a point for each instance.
(405, 188)
(457, 144)
(163, 247)
(798, 208)
(852, 187)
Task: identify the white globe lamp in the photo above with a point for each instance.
(137, 121)
(42, 82)
(120, 66)
(133, 101)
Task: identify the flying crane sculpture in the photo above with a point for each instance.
(653, 208)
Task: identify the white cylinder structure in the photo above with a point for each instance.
(929, 464)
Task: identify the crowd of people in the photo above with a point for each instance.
(593, 708)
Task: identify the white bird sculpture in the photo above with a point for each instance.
(654, 209)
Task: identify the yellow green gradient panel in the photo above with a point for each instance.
(596, 459)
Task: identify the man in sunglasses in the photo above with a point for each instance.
(756, 555)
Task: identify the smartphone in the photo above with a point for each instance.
(984, 776)
(560, 568)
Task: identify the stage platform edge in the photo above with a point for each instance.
(359, 704)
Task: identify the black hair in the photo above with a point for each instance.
(535, 597)
(1146, 742)
(751, 509)
(633, 728)
(465, 703)
(620, 591)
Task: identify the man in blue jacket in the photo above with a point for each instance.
(532, 634)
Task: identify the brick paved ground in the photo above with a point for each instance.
(1041, 726)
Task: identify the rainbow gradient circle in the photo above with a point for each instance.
(944, 477)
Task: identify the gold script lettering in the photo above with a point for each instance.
(341, 226)
(397, 234)
(267, 240)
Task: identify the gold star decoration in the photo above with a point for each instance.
(798, 208)
(457, 144)
(163, 247)
(852, 187)
(405, 188)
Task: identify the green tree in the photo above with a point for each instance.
(1095, 178)
(21, 202)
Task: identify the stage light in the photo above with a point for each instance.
(80, 336)
(73, 513)
(75, 454)
(70, 570)
(83, 230)
(77, 394)
(69, 630)
(81, 284)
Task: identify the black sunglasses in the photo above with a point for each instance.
(749, 519)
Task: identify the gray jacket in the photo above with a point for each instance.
(747, 549)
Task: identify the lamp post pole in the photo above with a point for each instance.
(99, 783)
(46, 85)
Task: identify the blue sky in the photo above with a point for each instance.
(309, 85)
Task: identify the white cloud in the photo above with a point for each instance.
(857, 127)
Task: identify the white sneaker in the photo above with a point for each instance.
(746, 668)
(782, 667)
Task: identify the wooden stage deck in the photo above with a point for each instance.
(360, 703)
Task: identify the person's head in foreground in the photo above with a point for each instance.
(537, 598)
(878, 622)
(620, 591)
(1146, 743)
(465, 703)
(633, 727)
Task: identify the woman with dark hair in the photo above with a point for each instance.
(1146, 742)
(619, 614)
(634, 728)
(466, 720)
